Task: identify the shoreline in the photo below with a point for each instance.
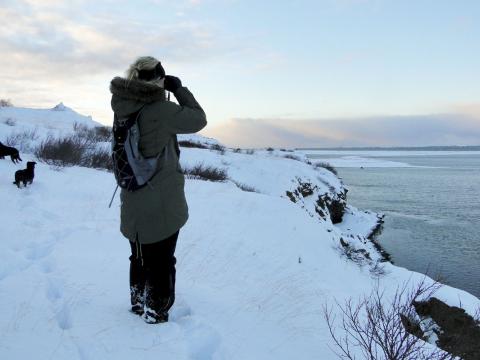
(372, 237)
(397, 148)
(457, 331)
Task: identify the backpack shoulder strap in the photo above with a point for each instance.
(129, 120)
(177, 147)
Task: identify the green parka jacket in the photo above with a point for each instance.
(159, 209)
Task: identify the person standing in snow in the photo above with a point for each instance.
(152, 216)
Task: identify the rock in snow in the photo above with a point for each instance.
(254, 267)
(60, 107)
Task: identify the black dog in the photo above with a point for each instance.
(26, 175)
(9, 151)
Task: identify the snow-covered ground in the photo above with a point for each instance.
(254, 269)
(29, 127)
(56, 120)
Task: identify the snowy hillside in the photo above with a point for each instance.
(58, 118)
(254, 267)
(30, 126)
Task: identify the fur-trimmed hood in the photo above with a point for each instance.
(128, 96)
(136, 90)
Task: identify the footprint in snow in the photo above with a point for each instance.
(203, 340)
(61, 309)
(48, 266)
(37, 251)
(179, 310)
(55, 289)
(63, 316)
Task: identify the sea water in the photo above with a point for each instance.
(432, 205)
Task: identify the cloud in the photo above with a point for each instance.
(421, 130)
(55, 51)
(470, 109)
(51, 42)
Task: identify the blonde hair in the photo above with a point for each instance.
(142, 63)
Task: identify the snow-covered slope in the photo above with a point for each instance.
(29, 127)
(58, 118)
(253, 271)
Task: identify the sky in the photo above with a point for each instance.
(267, 73)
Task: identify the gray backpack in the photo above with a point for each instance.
(132, 170)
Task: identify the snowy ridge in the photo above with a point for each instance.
(32, 126)
(253, 270)
(58, 118)
(270, 173)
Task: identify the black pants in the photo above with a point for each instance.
(152, 274)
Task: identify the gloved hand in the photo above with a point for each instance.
(172, 83)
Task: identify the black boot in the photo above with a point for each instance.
(156, 309)
(137, 281)
(159, 294)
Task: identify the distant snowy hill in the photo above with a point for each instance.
(30, 126)
(259, 256)
(58, 118)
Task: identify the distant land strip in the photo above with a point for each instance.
(402, 148)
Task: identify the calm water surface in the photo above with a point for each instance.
(432, 212)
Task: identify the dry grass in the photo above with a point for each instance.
(191, 144)
(203, 172)
(292, 157)
(5, 103)
(10, 122)
(245, 187)
(325, 165)
(94, 134)
(23, 140)
(74, 150)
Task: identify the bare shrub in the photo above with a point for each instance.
(381, 329)
(237, 150)
(67, 151)
(192, 144)
(202, 172)
(292, 157)
(23, 140)
(80, 128)
(103, 133)
(250, 151)
(219, 148)
(377, 270)
(10, 122)
(358, 256)
(97, 133)
(325, 165)
(74, 150)
(245, 187)
(99, 159)
(5, 103)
